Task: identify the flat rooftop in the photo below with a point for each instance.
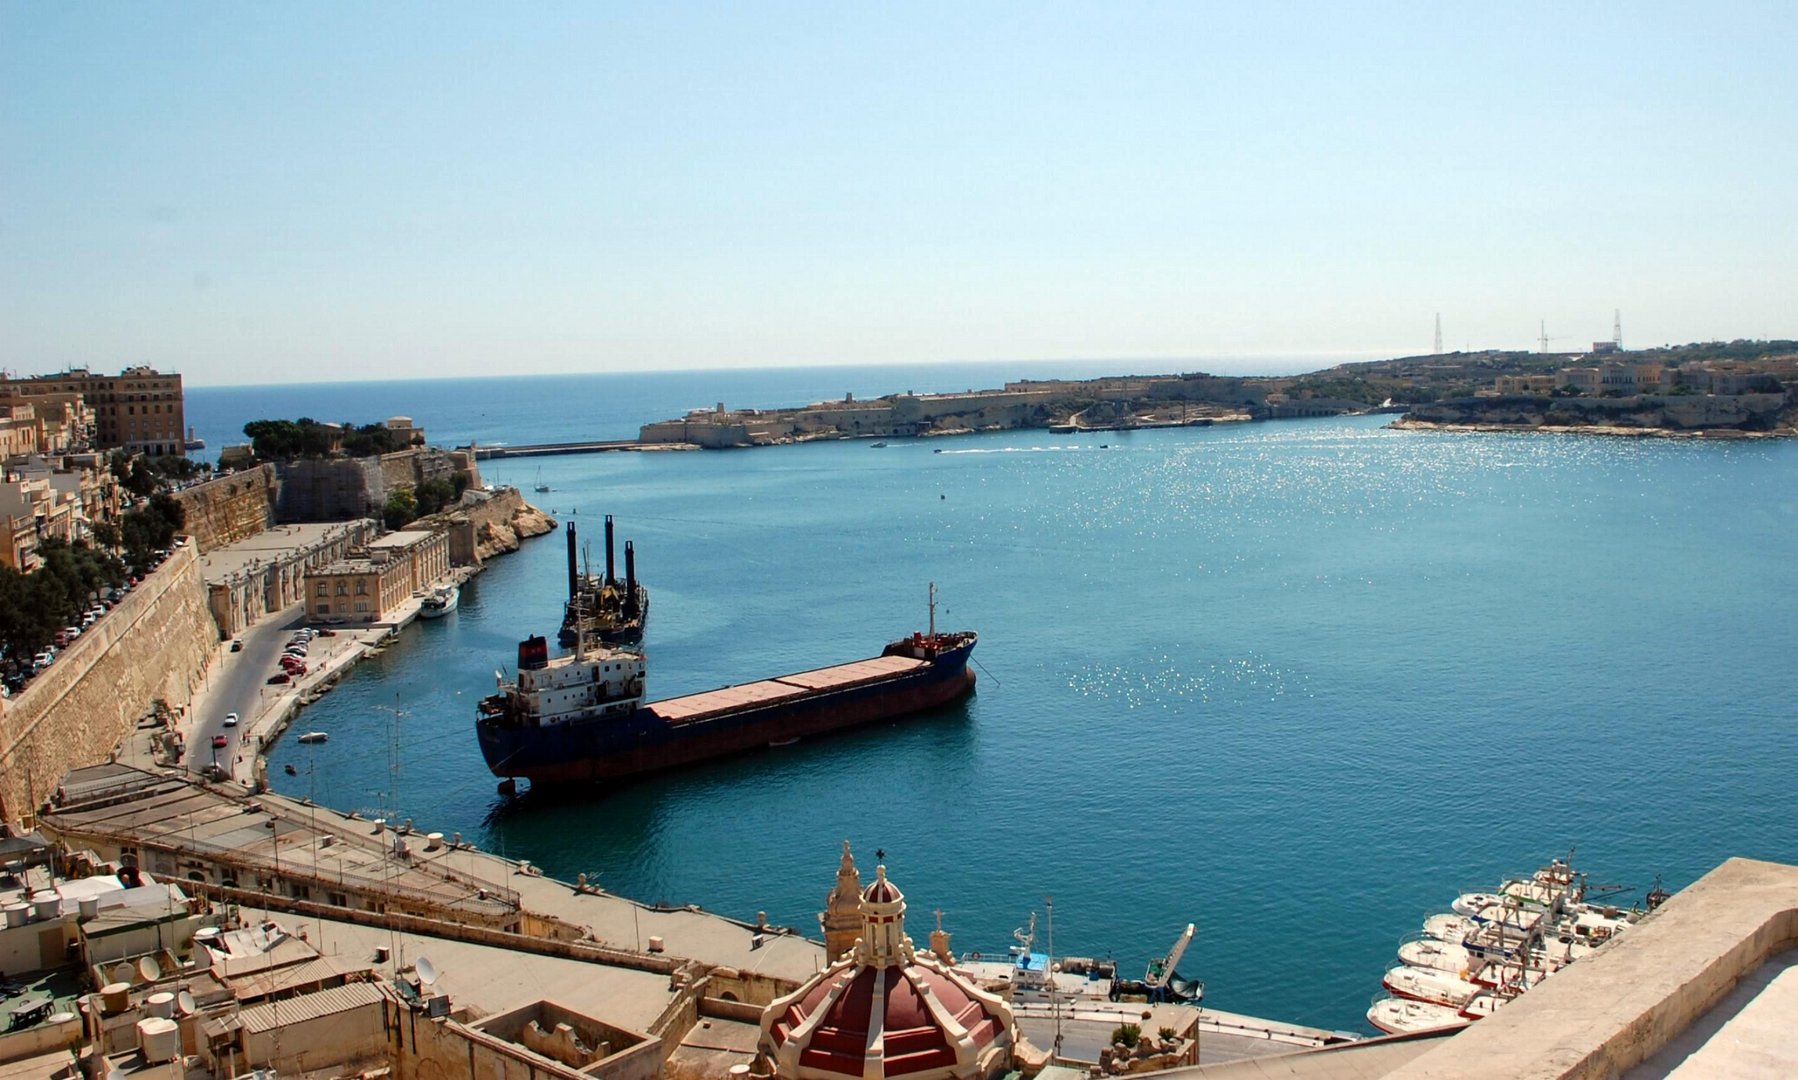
(274, 545)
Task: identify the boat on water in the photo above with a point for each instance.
(314, 737)
(879, 445)
(602, 608)
(440, 602)
(539, 485)
(1427, 952)
(1448, 927)
(582, 718)
(1403, 1016)
(1025, 974)
(1493, 947)
(1434, 987)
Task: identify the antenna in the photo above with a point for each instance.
(1543, 327)
(1617, 328)
(1438, 351)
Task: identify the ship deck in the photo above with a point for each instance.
(684, 710)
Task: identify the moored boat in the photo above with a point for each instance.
(582, 718)
(1403, 1016)
(314, 737)
(1427, 952)
(439, 602)
(1425, 984)
(1448, 927)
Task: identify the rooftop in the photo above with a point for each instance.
(275, 544)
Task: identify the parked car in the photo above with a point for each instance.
(279, 677)
(230, 719)
(327, 632)
(237, 645)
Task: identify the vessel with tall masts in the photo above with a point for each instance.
(606, 610)
(582, 718)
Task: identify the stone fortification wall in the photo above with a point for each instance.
(231, 508)
(331, 489)
(153, 645)
(487, 526)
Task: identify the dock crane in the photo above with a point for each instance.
(1160, 977)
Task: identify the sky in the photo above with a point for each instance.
(299, 193)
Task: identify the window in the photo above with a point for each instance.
(361, 606)
(323, 589)
(343, 588)
(361, 586)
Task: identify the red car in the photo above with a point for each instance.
(219, 742)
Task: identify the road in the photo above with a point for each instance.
(240, 684)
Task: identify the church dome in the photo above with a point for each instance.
(883, 1010)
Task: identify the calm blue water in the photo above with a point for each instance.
(1298, 682)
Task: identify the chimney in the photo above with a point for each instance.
(611, 576)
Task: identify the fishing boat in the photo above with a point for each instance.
(582, 718)
(1403, 1016)
(1427, 952)
(539, 486)
(1425, 984)
(440, 602)
(1448, 927)
(1025, 974)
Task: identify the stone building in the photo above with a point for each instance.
(369, 586)
(882, 1009)
(140, 409)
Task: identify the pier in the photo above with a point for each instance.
(483, 453)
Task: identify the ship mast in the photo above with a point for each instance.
(933, 609)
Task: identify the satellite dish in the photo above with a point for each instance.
(149, 969)
(184, 1003)
(427, 971)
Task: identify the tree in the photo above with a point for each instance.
(400, 510)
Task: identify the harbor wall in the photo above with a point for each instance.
(155, 644)
(230, 508)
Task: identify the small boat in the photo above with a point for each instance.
(540, 485)
(291, 771)
(1435, 987)
(1402, 1016)
(441, 601)
(314, 737)
(1427, 952)
(879, 445)
(1471, 904)
(1449, 928)
(783, 742)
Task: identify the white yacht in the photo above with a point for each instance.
(441, 601)
(1402, 1016)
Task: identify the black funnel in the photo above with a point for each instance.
(574, 583)
(611, 574)
(630, 581)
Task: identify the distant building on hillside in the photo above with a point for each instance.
(139, 409)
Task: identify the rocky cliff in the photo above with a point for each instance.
(489, 524)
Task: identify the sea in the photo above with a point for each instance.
(1297, 682)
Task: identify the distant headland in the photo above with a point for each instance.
(1731, 389)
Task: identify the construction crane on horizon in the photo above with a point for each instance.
(1438, 351)
(1544, 339)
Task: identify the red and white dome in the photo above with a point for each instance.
(883, 1010)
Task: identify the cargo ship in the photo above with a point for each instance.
(603, 608)
(581, 718)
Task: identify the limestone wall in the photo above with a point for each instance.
(487, 527)
(153, 645)
(231, 508)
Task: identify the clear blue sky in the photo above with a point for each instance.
(282, 192)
